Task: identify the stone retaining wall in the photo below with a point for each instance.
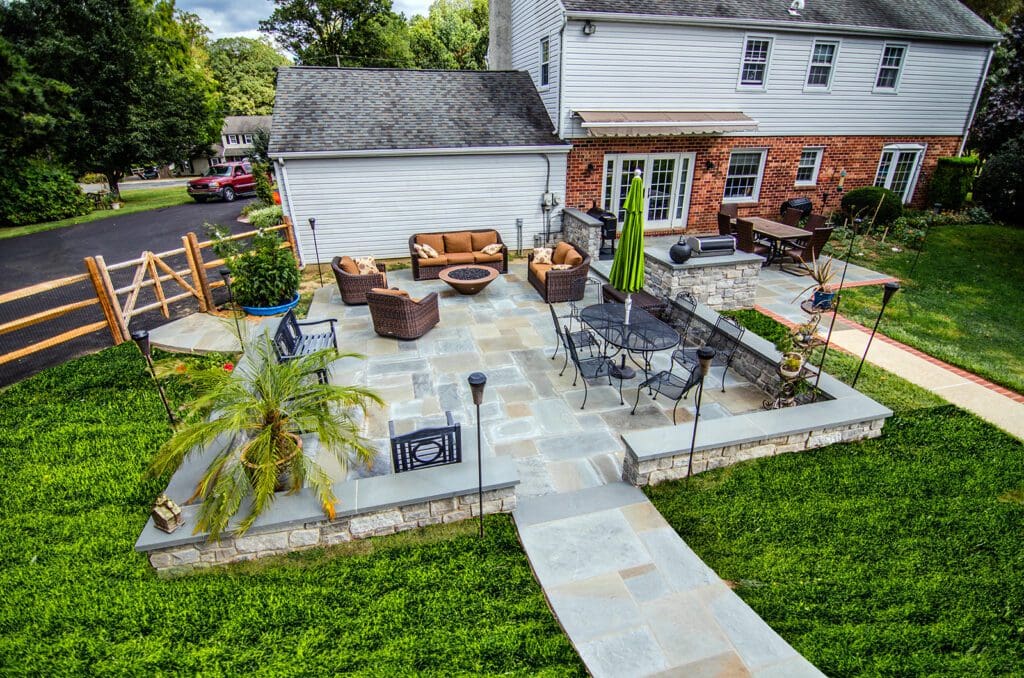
(582, 230)
(187, 557)
(719, 287)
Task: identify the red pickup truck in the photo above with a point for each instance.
(225, 181)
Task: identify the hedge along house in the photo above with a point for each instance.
(750, 102)
(377, 155)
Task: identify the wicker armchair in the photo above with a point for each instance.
(558, 286)
(396, 315)
(353, 286)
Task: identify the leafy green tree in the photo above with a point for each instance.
(1000, 10)
(452, 35)
(1001, 114)
(245, 69)
(31, 107)
(141, 90)
(340, 32)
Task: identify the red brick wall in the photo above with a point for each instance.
(858, 155)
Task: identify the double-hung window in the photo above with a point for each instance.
(246, 138)
(890, 67)
(808, 167)
(743, 180)
(898, 169)
(754, 69)
(232, 139)
(822, 65)
(545, 62)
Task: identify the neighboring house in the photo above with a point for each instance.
(235, 141)
(751, 102)
(377, 155)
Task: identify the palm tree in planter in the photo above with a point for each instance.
(258, 411)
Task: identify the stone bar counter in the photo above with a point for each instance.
(723, 283)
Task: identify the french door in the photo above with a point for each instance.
(668, 180)
(898, 169)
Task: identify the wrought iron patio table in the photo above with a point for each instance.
(644, 335)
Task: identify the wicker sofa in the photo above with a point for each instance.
(458, 247)
(396, 315)
(351, 284)
(557, 286)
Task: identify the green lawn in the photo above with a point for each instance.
(78, 600)
(961, 305)
(140, 200)
(899, 556)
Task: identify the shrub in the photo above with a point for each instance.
(1000, 188)
(264, 191)
(93, 178)
(952, 181)
(862, 202)
(35, 191)
(264, 275)
(977, 214)
(265, 217)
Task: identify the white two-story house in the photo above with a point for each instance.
(747, 101)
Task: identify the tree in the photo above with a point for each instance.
(140, 89)
(1001, 114)
(340, 32)
(245, 70)
(1000, 10)
(453, 35)
(31, 107)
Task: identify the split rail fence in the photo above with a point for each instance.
(52, 314)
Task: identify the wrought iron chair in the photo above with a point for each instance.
(687, 303)
(584, 338)
(725, 339)
(426, 446)
(291, 341)
(589, 368)
(671, 385)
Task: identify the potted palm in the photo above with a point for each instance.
(259, 409)
(820, 271)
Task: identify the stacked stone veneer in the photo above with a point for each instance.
(720, 286)
(582, 230)
(186, 557)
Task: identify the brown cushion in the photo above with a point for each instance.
(394, 293)
(561, 252)
(460, 258)
(436, 261)
(574, 258)
(481, 258)
(348, 265)
(435, 240)
(540, 270)
(458, 242)
(482, 240)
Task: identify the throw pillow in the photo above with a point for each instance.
(366, 265)
(542, 255)
(429, 252)
(419, 251)
(493, 248)
(561, 267)
(481, 240)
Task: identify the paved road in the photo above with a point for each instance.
(54, 254)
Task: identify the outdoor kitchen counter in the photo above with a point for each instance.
(722, 282)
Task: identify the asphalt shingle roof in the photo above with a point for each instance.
(356, 109)
(245, 124)
(947, 17)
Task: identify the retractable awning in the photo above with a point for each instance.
(660, 123)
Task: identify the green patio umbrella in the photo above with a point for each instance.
(627, 274)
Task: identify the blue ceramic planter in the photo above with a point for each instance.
(822, 300)
(272, 310)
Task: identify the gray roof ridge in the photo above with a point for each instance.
(399, 70)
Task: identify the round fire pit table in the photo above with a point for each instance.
(468, 278)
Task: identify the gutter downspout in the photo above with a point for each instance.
(291, 207)
(561, 74)
(977, 99)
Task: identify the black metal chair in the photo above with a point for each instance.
(687, 304)
(584, 338)
(426, 446)
(589, 368)
(725, 339)
(672, 385)
(291, 342)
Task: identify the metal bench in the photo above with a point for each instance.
(291, 342)
(427, 446)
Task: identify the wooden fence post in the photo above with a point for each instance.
(108, 298)
(194, 254)
(289, 234)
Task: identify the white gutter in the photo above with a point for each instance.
(764, 24)
(398, 152)
(291, 208)
(561, 74)
(708, 123)
(977, 99)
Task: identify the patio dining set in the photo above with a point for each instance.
(779, 242)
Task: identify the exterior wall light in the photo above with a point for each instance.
(589, 27)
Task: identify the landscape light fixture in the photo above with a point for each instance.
(477, 381)
(705, 354)
(888, 291)
(709, 166)
(141, 339)
(589, 27)
(226, 274)
(316, 250)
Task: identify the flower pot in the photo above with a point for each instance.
(788, 373)
(281, 464)
(272, 310)
(821, 300)
(680, 252)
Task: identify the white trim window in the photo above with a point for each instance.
(246, 138)
(545, 62)
(668, 184)
(809, 165)
(757, 54)
(890, 67)
(898, 169)
(743, 178)
(232, 139)
(822, 65)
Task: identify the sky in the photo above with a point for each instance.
(230, 18)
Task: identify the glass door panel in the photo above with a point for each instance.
(903, 172)
(626, 167)
(660, 183)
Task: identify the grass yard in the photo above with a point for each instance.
(140, 200)
(961, 305)
(899, 556)
(78, 600)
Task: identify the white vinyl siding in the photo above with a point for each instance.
(743, 178)
(370, 206)
(890, 67)
(808, 167)
(657, 67)
(822, 65)
(898, 168)
(533, 20)
(757, 56)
